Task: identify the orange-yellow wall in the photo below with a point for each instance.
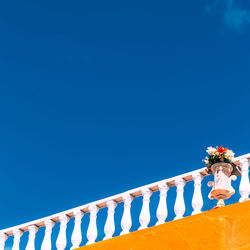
(222, 228)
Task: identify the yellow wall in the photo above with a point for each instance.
(222, 228)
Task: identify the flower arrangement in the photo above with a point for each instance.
(218, 154)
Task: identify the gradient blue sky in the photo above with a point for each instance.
(98, 97)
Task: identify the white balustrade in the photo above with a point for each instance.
(244, 188)
(197, 201)
(162, 210)
(145, 212)
(92, 230)
(109, 228)
(76, 238)
(32, 235)
(46, 245)
(17, 236)
(126, 222)
(61, 241)
(3, 238)
(179, 207)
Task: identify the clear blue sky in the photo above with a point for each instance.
(98, 97)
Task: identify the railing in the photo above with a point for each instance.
(126, 221)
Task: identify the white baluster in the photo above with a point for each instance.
(92, 230)
(46, 245)
(109, 228)
(179, 207)
(61, 241)
(244, 182)
(3, 238)
(126, 222)
(197, 201)
(32, 235)
(162, 210)
(17, 235)
(76, 238)
(145, 213)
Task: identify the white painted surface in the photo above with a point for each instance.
(3, 238)
(92, 230)
(17, 237)
(46, 244)
(61, 241)
(162, 210)
(179, 207)
(244, 188)
(109, 228)
(145, 212)
(197, 201)
(32, 235)
(76, 237)
(126, 221)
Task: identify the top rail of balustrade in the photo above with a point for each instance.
(136, 192)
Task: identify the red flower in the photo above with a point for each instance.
(221, 150)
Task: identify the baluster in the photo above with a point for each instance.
(61, 241)
(76, 238)
(3, 238)
(17, 235)
(109, 228)
(197, 201)
(46, 245)
(92, 230)
(145, 213)
(32, 235)
(126, 222)
(179, 207)
(162, 210)
(244, 182)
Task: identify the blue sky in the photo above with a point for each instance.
(99, 97)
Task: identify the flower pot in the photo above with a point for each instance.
(222, 188)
